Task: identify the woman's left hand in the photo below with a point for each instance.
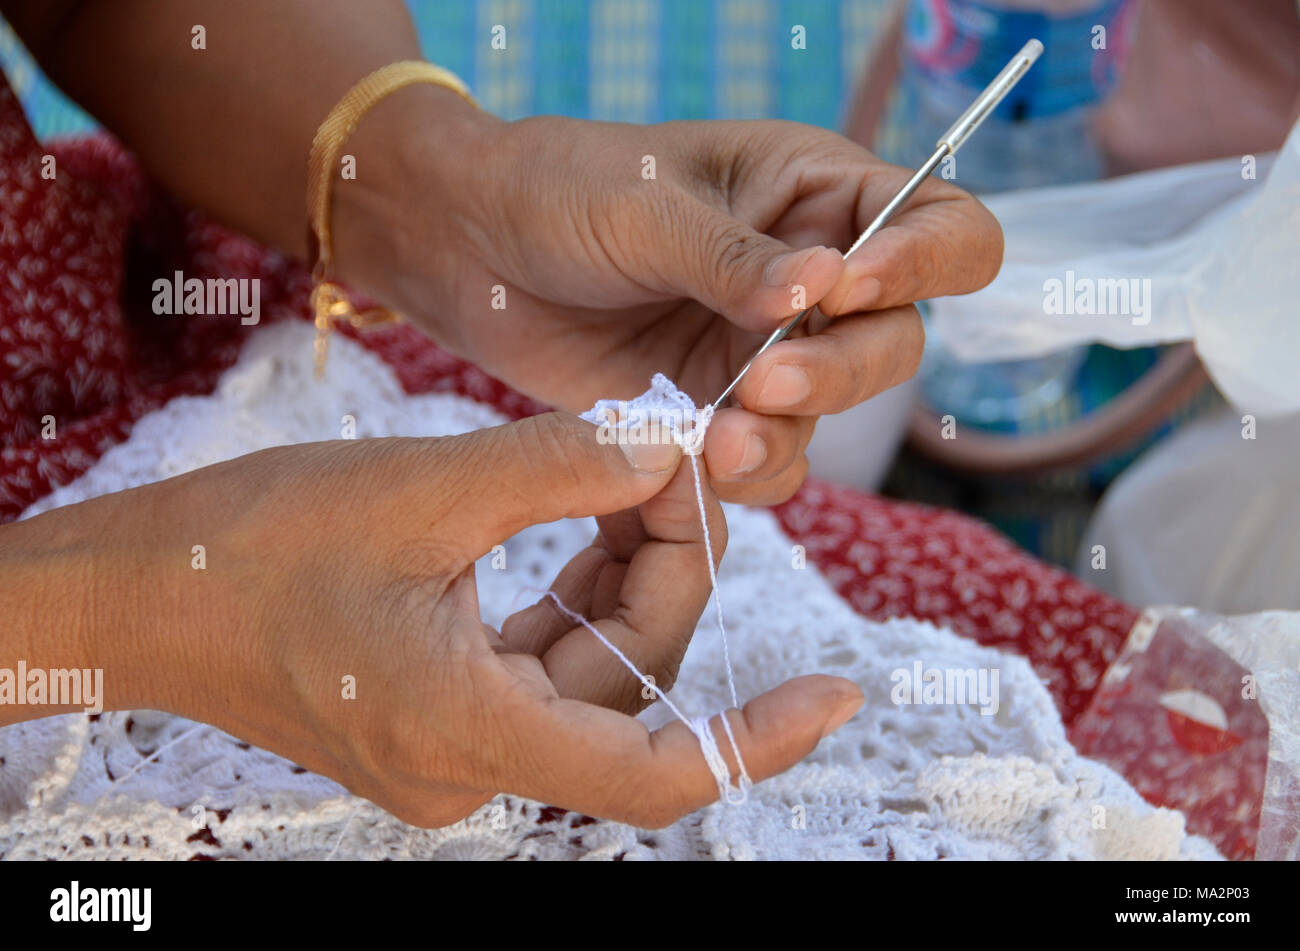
(334, 618)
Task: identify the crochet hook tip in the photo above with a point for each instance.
(952, 140)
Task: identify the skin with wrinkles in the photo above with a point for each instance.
(354, 559)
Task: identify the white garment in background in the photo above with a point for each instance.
(1206, 519)
(857, 447)
(1217, 251)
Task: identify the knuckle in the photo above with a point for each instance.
(928, 268)
(855, 371)
(728, 247)
(670, 223)
(913, 345)
(664, 670)
(547, 445)
(784, 486)
(719, 533)
(994, 241)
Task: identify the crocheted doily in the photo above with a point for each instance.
(906, 782)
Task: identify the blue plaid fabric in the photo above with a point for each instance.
(616, 60)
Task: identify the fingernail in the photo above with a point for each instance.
(784, 386)
(843, 714)
(651, 456)
(781, 271)
(755, 455)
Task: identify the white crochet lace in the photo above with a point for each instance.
(907, 782)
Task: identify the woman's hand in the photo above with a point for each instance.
(543, 251)
(352, 563)
(609, 274)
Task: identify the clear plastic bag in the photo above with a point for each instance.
(1201, 713)
(1199, 252)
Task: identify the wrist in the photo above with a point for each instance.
(398, 224)
(72, 600)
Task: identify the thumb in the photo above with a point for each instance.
(554, 466)
(752, 279)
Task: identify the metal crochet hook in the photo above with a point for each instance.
(947, 145)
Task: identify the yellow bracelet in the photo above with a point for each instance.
(328, 300)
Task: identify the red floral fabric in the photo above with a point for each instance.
(82, 356)
(890, 558)
(1176, 718)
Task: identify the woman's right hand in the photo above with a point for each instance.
(352, 563)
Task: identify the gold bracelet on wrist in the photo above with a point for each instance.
(329, 301)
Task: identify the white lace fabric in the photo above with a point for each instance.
(904, 782)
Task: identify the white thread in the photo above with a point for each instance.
(577, 618)
(713, 580)
(648, 410)
(697, 435)
(709, 747)
(693, 442)
(699, 726)
(744, 783)
(158, 752)
(343, 832)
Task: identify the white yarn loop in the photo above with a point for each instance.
(664, 409)
(693, 441)
(713, 580)
(717, 763)
(712, 756)
(744, 783)
(577, 618)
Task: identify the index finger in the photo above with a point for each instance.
(606, 764)
(943, 242)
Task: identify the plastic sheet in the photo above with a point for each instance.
(1197, 252)
(1202, 713)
